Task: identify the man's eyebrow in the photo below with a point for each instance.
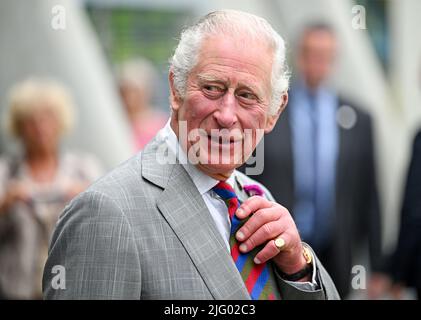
(208, 77)
(250, 87)
(205, 77)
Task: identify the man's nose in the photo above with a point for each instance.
(226, 115)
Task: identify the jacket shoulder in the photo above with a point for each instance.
(126, 177)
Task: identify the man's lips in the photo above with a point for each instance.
(224, 139)
(223, 143)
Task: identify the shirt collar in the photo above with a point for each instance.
(300, 88)
(203, 182)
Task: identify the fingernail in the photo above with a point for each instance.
(243, 247)
(256, 261)
(240, 235)
(240, 212)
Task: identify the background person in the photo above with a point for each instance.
(36, 184)
(136, 80)
(406, 261)
(319, 161)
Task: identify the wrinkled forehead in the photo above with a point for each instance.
(239, 52)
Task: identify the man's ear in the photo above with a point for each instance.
(272, 119)
(175, 99)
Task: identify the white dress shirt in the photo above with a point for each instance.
(214, 203)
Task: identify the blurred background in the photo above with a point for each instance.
(111, 58)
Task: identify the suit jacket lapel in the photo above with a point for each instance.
(185, 211)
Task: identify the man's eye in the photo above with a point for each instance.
(213, 91)
(212, 88)
(247, 96)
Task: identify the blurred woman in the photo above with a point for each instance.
(36, 184)
(136, 80)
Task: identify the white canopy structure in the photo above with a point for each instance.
(30, 46)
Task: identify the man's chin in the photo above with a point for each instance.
(218, 170)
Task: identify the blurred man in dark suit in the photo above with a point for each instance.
(319, 161)
(406, 262)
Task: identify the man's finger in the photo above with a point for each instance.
(265, 233)
(271, 250)
(257, 220)
(251, 205)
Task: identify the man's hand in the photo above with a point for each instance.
(270, 221)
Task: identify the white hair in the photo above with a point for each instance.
(230, 22)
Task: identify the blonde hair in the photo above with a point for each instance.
(33, 95)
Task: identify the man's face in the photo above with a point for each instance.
(228, 93)
(316, 56)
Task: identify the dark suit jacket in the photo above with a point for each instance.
(407, 258)
(357, 209)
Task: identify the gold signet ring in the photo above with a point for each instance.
(279, 243)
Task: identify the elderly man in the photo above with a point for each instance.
(194, 228)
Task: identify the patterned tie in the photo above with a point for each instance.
(256, 276)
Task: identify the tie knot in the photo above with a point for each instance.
(227, 193)
(224, 190)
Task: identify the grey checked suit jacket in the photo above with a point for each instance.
(143, 231)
